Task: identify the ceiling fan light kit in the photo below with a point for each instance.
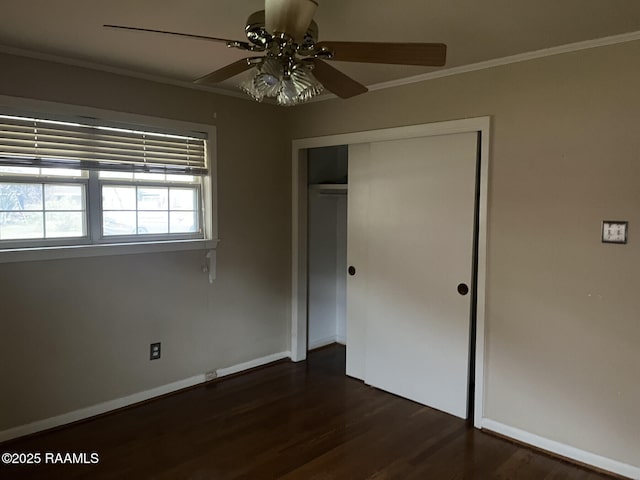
(269, 82)
(293, 68)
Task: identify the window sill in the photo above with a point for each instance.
(81, 251)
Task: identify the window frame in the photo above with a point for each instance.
(95, 243)
(49, 242)
(151, 236)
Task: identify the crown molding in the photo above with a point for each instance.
(498, 62)
(19, 52)
(446, 72)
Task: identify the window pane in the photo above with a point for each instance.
(20, 196)
(63, 197)
(118, 175)
(118, 223)
(153, 222)
(21, 225)
(156, 177)
(184, 222)
(62, 172)
(152, 198)
(65, 224)
(181, 178)
(20, 170)
(183, 198)
(45, 172)
(118, 198)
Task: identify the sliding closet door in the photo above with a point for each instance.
(411, 237)
(357, 258)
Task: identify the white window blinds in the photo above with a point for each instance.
(26, 141)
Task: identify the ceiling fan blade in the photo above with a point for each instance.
(188, 35)
(425, 54)
(291, 17)
(227, 72)
(335, 81)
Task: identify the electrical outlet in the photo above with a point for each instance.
(210, 376)
(154, 351)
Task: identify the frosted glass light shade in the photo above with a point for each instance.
(300, 88)
(268, 81)
(265, 82)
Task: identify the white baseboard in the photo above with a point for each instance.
(111, 405)
(98, 409)
(322, 342)
(341, 339)
(563, 450)
(258, 362)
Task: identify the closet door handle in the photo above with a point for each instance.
(463, 289)
(351, 270)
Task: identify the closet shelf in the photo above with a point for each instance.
(329, 187)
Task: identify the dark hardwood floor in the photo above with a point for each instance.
(290, 421)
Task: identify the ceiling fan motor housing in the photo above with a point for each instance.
(257, 33)
(289, 17)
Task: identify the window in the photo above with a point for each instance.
(67, 183)
(42, 210)
(142, 209)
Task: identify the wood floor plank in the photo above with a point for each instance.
(290, 421)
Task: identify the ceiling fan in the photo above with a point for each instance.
(293, 68)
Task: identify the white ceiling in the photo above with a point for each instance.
(474, 30)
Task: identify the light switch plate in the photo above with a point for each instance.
(614, 231)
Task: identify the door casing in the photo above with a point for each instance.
(299, 239)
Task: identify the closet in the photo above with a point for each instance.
(414, 268)
(327, 247)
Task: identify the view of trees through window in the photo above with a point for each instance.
(41, 210)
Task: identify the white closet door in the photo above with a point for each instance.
(411, 250)
(357, 234)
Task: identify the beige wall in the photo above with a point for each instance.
(563, 310)
(77, 332)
